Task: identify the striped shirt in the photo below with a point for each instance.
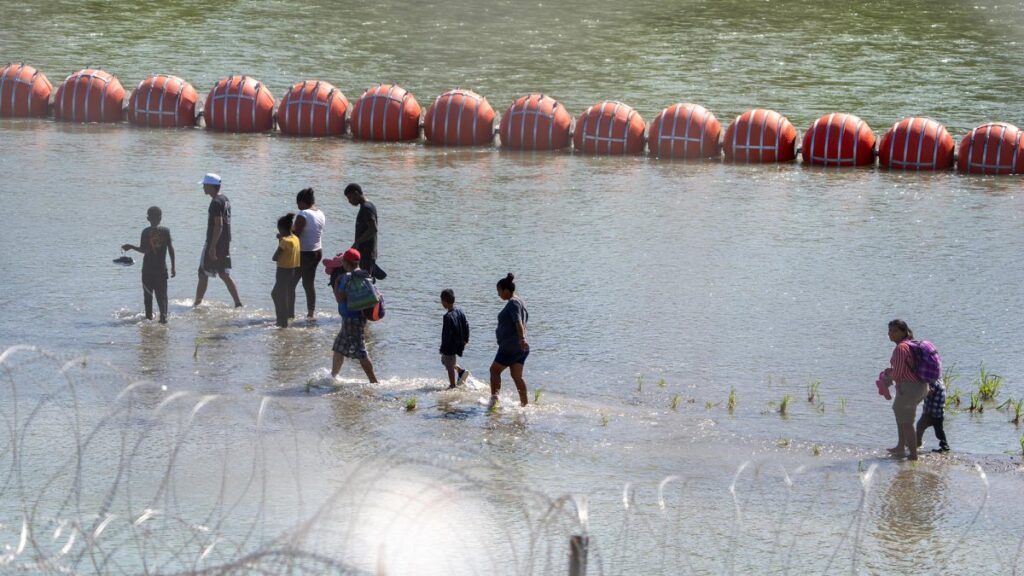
(902, 362)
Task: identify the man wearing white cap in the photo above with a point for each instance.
(216, 258)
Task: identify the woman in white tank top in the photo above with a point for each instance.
(309, 227)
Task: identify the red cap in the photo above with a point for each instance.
(352, 255)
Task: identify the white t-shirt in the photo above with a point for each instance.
(309, 239)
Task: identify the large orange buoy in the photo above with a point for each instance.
(386, 113)
(89, 96)
(459, 118)
(24, 91)
(839, 139)
(685, 131)
(163, 101)
(535, 122)
(916, 144)
(609, 128)
(993, 148)
(313, 108)
(239, 104)
(760, 136)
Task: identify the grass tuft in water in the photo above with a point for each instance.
(1018, 411)
(812, 390)
(731, 404)
(640, 383)
(816, 450)
(675, 402)
(410, 404)
(537, 394)
(976, 405)
(709, 405)
(842, 405)
(784, 405)
(953, 400)
(1022, 444)
(949, 376)
(662, 383)
(782, 442)
(604, 419)
(989, 384)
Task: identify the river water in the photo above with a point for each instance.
(654, 289)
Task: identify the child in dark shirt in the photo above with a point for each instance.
(155, 244)
(454, 338)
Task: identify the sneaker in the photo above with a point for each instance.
(463, 376)
(941, 450)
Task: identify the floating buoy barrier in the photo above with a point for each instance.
(917, 144)
(609, 128)
(993, 148)
(839, 139)
(163, 101)
(387, 113)
(239, 104)
(459, 118)
(685, 132)
(24, 91)
(89, 96)
(760, 136)
(313, 108)
(535, 122)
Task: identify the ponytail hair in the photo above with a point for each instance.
(901, 325)
(508, 283)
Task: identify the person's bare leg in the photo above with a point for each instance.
(901, 442)
(232, 289)
(516, 370)
(908, 433)
(200, 289)
(367, 365)
(451, 376)
(336, 363)
(496, 370)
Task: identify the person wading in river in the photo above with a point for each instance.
(216, 258)
(366, 231)
(309, 227)
(910, 390)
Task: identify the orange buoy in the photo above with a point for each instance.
(24, 91)
(535, 122)
(386, 113)
(685, 131)
(239, 104)
(89, 96)
(839, 139)
(760, 136)
(993, 148)
(459, 118)
(916, 144)
(313, 108)
(609, 128)
(163, 101)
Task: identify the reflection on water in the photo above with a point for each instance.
(912, 508)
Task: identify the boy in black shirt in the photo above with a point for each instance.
(454, 337)
(155, 244)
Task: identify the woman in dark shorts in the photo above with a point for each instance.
(512, 345)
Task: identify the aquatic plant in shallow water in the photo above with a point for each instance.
(812, 390)
(732, 400)
(410, 404)
(784, 405)
(1018, 410)
(989, 384)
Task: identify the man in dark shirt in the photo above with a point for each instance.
(216, 258)
(155, 244)
(366, 230)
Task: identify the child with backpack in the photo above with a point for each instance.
(355, 294)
